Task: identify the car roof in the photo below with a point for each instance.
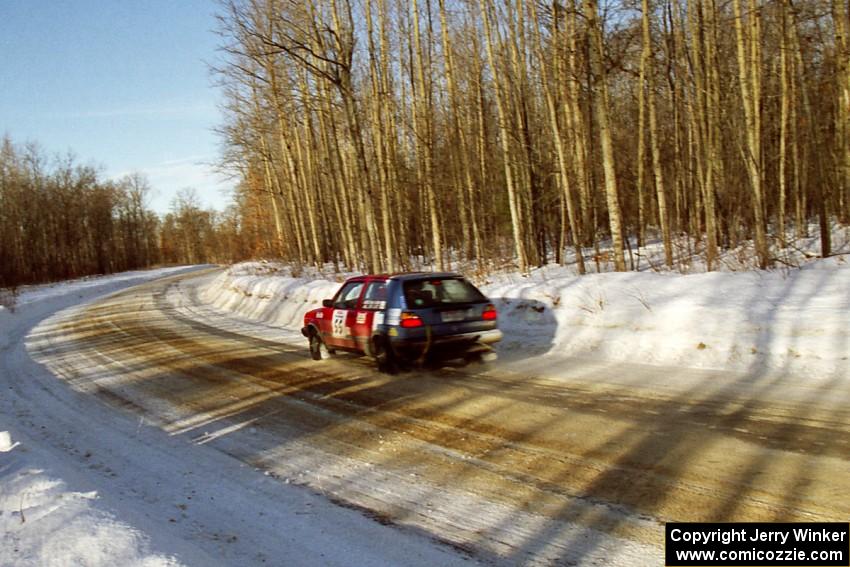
(407, 276)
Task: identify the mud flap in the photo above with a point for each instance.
(481, 352)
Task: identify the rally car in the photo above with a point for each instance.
(404, 317)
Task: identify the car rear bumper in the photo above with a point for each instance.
(459, 342)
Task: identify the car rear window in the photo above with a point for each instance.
(440, 291)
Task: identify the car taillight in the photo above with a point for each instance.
(489, 313)
(410, 320)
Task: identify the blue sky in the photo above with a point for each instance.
(123, 84)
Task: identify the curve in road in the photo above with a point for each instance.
(510, 463)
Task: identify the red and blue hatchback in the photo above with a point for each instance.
(404, 317)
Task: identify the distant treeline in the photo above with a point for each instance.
(372, 132)
(61, 220)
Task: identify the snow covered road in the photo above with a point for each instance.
(539, 460)
(84, 484)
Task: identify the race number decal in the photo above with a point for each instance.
(338, 324)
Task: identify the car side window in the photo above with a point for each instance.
(348, 296)
(376, 296)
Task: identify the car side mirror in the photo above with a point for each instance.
(327, 303)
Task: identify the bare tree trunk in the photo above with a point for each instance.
(798, 150)
(377, 107)
(462, 168)
(480, 126)
(577, 129)
(841, 21)
(563, 173)
(267, 169)
(657, 167)
(268, 175)
(600, 103)
(424, 130)
(785, 110)
(305, 158)
(344, 39)
(675, 54)
(342, 196)
(749, 79)
(710, 129)
(513, 201)
(640, 159)
(529, 190)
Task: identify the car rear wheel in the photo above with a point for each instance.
(384, 356)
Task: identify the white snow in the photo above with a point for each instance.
(45, 522)
(793, 322)
(103, 284)
(262, 292)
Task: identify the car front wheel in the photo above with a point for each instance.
(318, 350)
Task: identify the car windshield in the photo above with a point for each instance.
(440, 291)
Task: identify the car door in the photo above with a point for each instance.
(372, 306)
(343, 315)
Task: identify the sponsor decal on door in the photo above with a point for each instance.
(338, 323)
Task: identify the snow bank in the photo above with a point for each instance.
(795, 321)
(35, 293)
(268, 293)
(43, 522)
